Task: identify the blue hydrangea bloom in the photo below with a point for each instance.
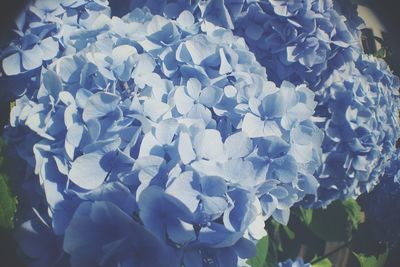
(296, 263)
(296, 41)
(382, 204)
(361, 120)
(157, 129)
(42, 33)
(317, 43)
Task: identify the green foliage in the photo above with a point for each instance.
(12, 105)
(272, 255)
(262, 251)
(288, 232)
(354, 212)
(330, 224)
(381, 53)
(323, 263)
(8, 204)
(372, 261)
(384, 52)
(305, 215)
(337, 221)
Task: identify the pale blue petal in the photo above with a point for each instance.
(183, 102)
(99, 105)
(87, 172)
(166, 130)
(50, 48)
(238, 145)
(253, 126)
(208, 144)
(12, 64)
(32, 58)
(281, 216)
(155, 109)
(185, 189)
(193, 87)
(210, 96)
(185, 148)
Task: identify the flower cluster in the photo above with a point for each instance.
(310, 42)
(359, 111)
(298, 41)
(382, 204)
(151, 135)
(157, 138)
(42, 34)
(296, 263)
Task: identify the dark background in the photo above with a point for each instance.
(388, 12)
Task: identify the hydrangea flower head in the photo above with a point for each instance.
(163, 132)
(361, 119)
(42, 32)
(313, 42)
(298, 41)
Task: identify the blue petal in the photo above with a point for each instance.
(281, 216)
(217, 13)
(50, 48)
(283, 169)
(87, 172)
(52, 83)
(208, 144)
(155, 109)
(99, 105)
(183, 102)
(185, 148)
(166, 130)
(186, 189)
(238, 145)
(253, 126)
(12, 64)
(32, 58)
(210, 96)
(213, 186)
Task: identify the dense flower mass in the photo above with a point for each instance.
(170, 136)
(312, 42)
(167, 137)
(382, 205)
(359, 112)
(299, 41)
(41, 35)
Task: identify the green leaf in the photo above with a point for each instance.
(381, 53)
(353, 211)
(337, 221)
(372, 261)
(289, 233)
(8, 204)
(262, 251)
(12, 105)
(323, 263)
(272, 256)
(306, 215)
(331, 224)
